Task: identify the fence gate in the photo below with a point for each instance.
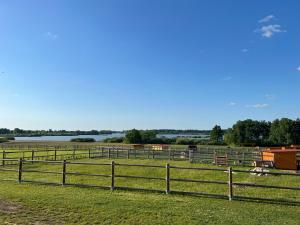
(221, 160)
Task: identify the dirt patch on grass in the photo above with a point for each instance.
(9, 207)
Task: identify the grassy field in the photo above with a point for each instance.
(42, 204)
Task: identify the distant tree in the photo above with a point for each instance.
(296, 131)
(285, 132)
(248, 132)
(133, 137)
(148, 136)
(18, 131)
(230, 137)
(216, 135)
(4, 131)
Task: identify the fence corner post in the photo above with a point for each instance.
(20, 170)
(112, 187)
(64, 172)
(167, 178)
(230, 188)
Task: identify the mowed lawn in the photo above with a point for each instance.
(44, 204)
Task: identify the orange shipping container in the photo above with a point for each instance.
(283, 159)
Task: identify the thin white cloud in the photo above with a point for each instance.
(228, 78)
(267, 19)
(270, 96)
(269, 30)
(298, 68)
(232, 104)
(258, 106)
(245, 50)
(51, 35)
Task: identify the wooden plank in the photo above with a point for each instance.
(87, 174)
(198, 181)
(140, 177)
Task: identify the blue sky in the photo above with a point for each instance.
(116, 64)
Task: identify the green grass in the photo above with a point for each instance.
(42, 204)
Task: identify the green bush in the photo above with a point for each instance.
(185, 141)
(10, 138)
(83, 140)
(114, 140)
(3, 139)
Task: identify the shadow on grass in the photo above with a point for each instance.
(267, 201)
(182, 193)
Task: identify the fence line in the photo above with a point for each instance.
(168, 179)
(201, 155)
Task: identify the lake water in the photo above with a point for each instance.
(97, 137)
(68, 138)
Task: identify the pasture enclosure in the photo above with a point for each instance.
(62, 152)
(226, 183)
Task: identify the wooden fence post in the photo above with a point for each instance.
(89, 153)
(108, 152)
(112, 187)
(167, 178)
(128, 153)
(3, 158)
(55, 154)
(64, 169)
(32, 155)
(230, 190)
(20, 170)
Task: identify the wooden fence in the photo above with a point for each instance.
(205, 155)
(167, 179)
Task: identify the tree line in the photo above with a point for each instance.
(279, 132)
(17, 132)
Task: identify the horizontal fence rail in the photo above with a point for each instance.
(59, 153)
(230, 183)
